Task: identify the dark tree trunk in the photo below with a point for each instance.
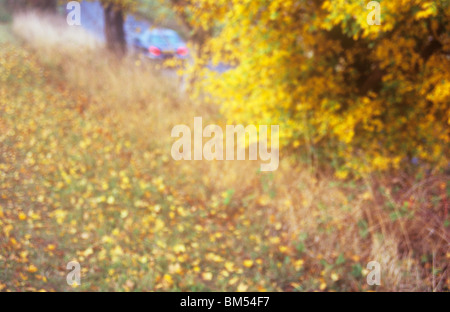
(48, 5)
(42, 5)
(114, 32)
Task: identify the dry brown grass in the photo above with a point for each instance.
(340, 219)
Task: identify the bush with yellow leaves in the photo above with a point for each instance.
(367, 97)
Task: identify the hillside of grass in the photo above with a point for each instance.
(86, 174)
(5, 33)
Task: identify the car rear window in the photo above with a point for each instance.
(163, 38)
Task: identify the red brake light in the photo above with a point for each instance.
(182, 51)
(154, 51)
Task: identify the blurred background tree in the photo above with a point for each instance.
(115, 13)
(43, 5)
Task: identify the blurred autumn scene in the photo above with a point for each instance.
(87, 175)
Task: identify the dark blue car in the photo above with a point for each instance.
(160, 44)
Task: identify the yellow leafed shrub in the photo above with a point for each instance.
(366, 96)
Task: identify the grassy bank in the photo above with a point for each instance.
(87, 175)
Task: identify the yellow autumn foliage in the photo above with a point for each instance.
(366, 97)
